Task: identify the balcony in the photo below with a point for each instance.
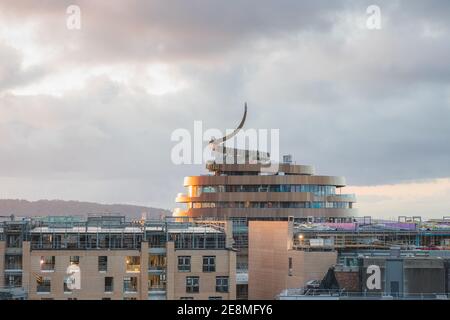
(241, 276)
(157, 250)
(16, 251)
(13, 268)
(156, 269)
(157, 292)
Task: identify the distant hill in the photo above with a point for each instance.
(26, 208)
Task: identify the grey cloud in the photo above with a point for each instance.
(374, 108)
(12, 72)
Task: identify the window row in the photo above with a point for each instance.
(193, 284)
(209, 264)
(86, 241)
(269, 205)
(133, 263)
(319, 190)
(44, 284)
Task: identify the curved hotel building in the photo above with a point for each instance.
(240, 190)
(247, 191)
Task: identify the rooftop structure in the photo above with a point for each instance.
(242, 188)
(368, 233)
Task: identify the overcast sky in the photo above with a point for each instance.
(88, 114)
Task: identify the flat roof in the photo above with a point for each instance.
(86, 230)
(196, 229)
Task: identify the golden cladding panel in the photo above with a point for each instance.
(263, 180)
(273, 213)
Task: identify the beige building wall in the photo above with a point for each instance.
(92, 280)
(270, 247)
(176, 280)
(26, 262)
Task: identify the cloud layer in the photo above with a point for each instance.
(87, 114)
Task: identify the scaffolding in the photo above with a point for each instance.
(405, 233)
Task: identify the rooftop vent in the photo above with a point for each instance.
(287, 159)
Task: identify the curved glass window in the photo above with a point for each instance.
(318, 190)
(271, 205)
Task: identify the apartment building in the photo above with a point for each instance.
(106, 257)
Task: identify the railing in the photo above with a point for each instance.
(305, 293)
(130, 289)
(156, 268)
(13, 266)
(159, 287)
(134, 268)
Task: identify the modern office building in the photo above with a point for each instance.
(106, 257)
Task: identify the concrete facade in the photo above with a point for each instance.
(176, 280)
(274, 264)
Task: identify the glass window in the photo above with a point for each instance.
(102, 263)
(43, 284)
(184, 263)
(130, 284)
(156, 262)
(65, 287)
(13, 262)
(156, 282)
(221, 284)
(290, 266)
(47, 263)
(192, 284)
(133, 263)
(109, 284)
(75, 260)
(209, 264)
